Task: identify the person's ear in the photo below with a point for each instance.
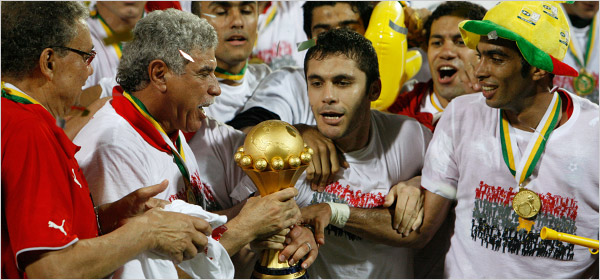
(47, 63)
(538, 74)
(375, 90)
(158, 72)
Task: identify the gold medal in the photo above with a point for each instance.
(526, 203)
(584, 83)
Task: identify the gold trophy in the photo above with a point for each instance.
(274, 156)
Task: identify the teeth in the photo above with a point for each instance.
(446, 68)
(331, 117)
(487, 88)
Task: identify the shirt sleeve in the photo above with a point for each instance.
(440, 171)
(38, 200)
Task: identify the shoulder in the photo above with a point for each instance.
(107, 128)
(259, 70)
(393, 124)
(21, 120)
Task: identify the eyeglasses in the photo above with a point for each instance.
(87, 56)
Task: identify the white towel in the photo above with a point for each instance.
(213, 263)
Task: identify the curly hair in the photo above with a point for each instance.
(160, 35)
(363, 8)
(29, 27)
(349, 43)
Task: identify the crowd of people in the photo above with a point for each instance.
(146, 103)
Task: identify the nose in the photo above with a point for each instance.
(448, 50)
(329, 95)
(214, 89)
(237, 20)
(90, 69)
(481, 70)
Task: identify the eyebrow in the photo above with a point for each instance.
(493, 52)
(350, 21)
(438, 36)
(322, 25)
(229, 5)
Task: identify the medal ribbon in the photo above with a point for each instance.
(583, 62)
(222, 74)
(13, 94)
(178, 154)
(439, 108)
(109, 33)
(536, 144)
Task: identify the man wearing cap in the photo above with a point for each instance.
(521, 156)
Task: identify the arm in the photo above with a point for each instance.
(176, 235)
(261, 217)
(374, 224)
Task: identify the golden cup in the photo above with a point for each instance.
(274, 156)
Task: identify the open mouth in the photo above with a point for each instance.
(237, 39)
(446, 73)
(332, 116)
(488, 90)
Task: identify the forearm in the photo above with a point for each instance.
(375, 224)
(236, 236)
(91, 258)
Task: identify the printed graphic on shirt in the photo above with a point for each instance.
(497, 227)
(198, 193)
(337, 193)
(51, 224)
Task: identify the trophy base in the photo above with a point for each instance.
(293, 272)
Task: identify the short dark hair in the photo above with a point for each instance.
(352, 45)
(462, 9)
(363, 8)
(28, 27)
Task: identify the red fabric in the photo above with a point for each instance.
(42, 185)
(142, 125)
(567, 103)
(409, 104)
(188, 135)
(162, 5)
(563, 69)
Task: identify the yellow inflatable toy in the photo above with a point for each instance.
(388, 34)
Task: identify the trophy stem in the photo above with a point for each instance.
(269, 267)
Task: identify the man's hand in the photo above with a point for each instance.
(326, 160)
(176, 235)
(317, 215)
(300, 242)
(113, 215)
(408, 198)
(275, 242)
(466, 73)
(268, 215)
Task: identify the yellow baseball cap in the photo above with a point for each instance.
(539, 28)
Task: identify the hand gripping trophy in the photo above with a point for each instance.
(274, 155)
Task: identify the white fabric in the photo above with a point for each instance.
(284, 93)
(214, 145)
(579, 39)
(116, 160)
(464, 162)
(232, 98)
(213, 263)
(277, 42)
(395, 153)
(106, 61)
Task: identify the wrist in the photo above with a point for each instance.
(340, 213)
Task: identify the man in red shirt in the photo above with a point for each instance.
(50, 228)
(450, 63)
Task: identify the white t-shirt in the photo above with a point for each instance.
(579, 40)
(214, 145)
(280, 29)
(116, 160)
(464, 162)
(284, 93)
(395, 152)
(232, 98)
(107, 57)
